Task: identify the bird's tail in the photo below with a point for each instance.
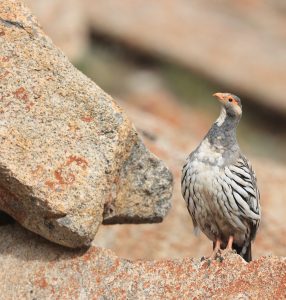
(244, 251)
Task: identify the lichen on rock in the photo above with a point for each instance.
(44, 270)
(64, 143)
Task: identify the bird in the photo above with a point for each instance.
(219, 185)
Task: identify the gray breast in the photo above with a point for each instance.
(222, 199)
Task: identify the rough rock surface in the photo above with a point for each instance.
(250, 56)
(144, 181)
(32, 268)
(64, 143)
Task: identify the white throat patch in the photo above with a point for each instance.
(221, 117)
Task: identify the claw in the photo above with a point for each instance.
(216, 250)
(229, 246)
(218, 253)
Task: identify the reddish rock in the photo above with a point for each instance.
(69, 156)
(41, 270)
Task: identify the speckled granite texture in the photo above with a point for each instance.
(32, 268)
(65, 146)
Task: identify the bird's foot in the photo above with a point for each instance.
(213, 256)
(209, 259)
(219, 255)
(222, 254)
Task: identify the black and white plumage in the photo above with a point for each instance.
(219, 184)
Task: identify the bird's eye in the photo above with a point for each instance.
(229, 99)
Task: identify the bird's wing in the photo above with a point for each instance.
(241, 181)
(185, 188)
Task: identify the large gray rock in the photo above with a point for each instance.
(148, 200)
(65, 145)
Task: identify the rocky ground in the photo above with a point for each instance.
(33, 268)
(125, 261)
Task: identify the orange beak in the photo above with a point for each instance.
(220, 97)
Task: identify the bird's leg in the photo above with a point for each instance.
(216, 249)
(230, 242)
(229, 245)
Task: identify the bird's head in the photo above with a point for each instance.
(231, 103)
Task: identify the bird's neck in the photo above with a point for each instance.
(223, 131)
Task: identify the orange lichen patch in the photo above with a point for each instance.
(169, 267)
(78, 160)
(50, 184)
(42, 283)
(280, 293)
(2, 76)
(64, 174)
(92, 252)
(105, 270)
(146, 285)
(120, 293)
(22, 94)
(253, 266)
(235, 287)
(40, 279)
(71, 291)
(38, 171)
(5, 58)
(29, 106)
(2, 32)
(87, 119)
(64, 179)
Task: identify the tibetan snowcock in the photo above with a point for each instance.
(219, 185)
